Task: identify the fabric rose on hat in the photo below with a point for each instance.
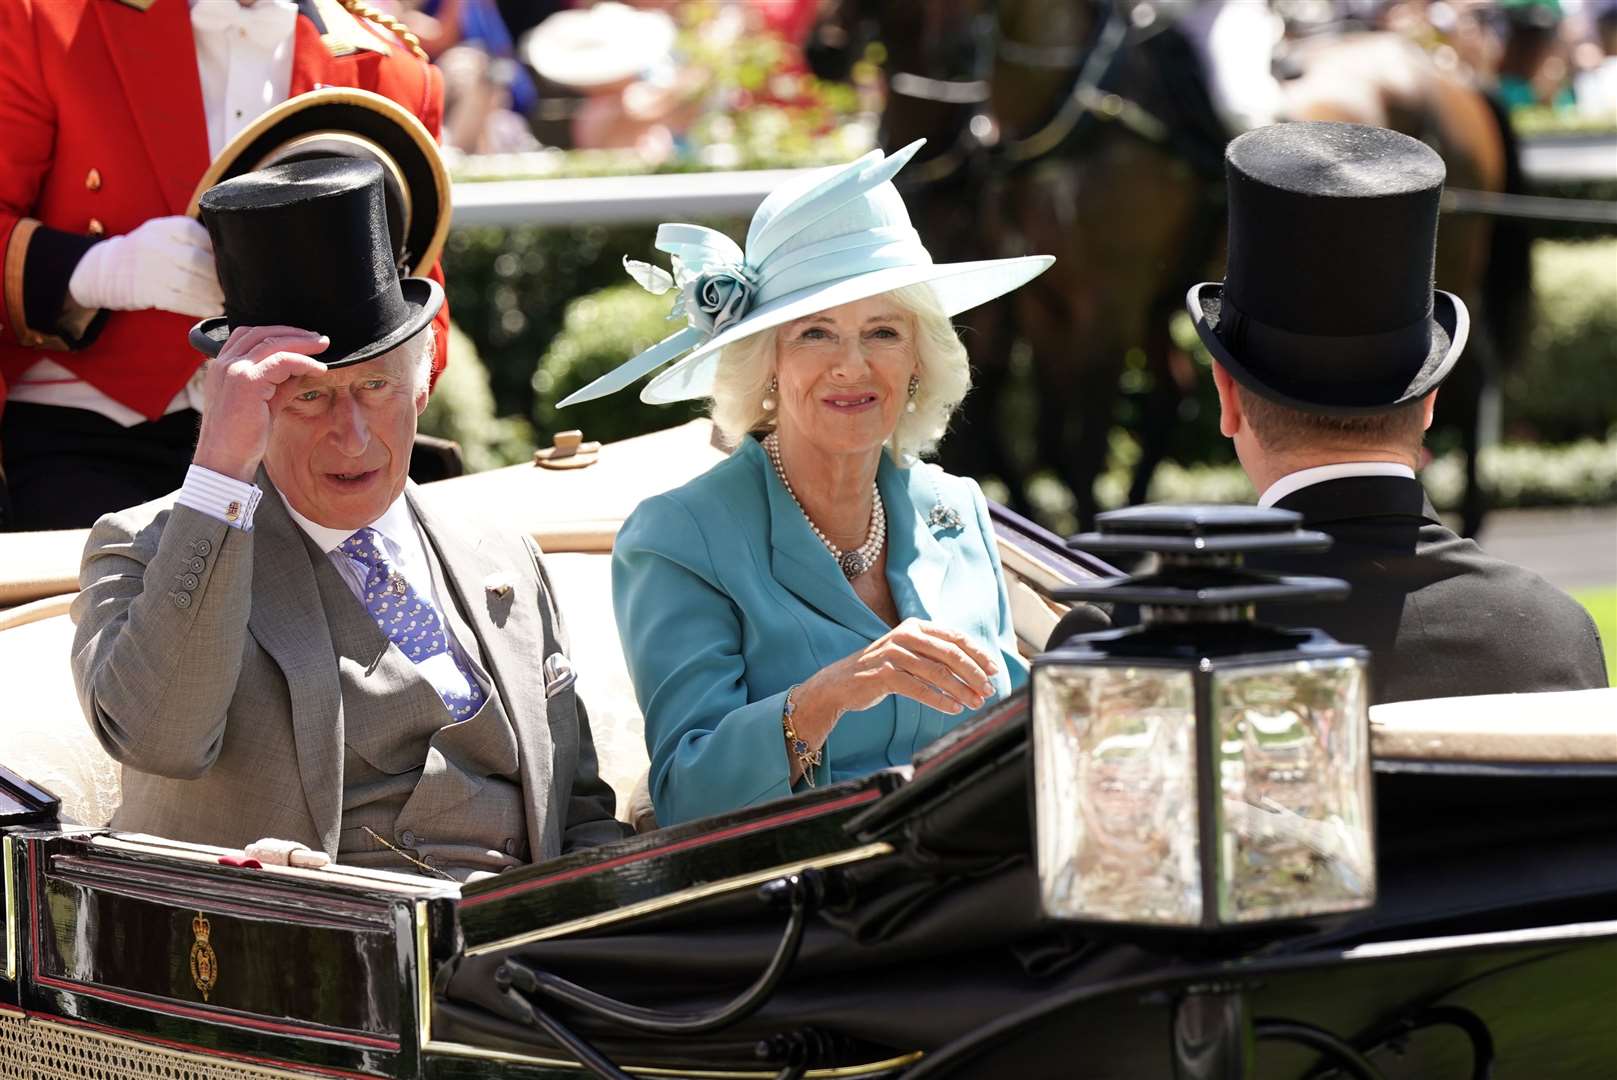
(716, 296)
(710, 298)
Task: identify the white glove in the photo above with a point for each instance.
(166, 263)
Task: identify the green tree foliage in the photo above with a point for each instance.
(1566, 386)
(509, 288)
(599, 332)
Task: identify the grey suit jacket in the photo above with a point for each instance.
(205, 666)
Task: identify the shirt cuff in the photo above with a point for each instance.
(219, 496)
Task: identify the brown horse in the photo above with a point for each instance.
(938, 59)
(1104, 166)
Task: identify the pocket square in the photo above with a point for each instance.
(559, 674)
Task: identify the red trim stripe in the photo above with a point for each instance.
(201, 1051)
(215, 1016)
(669, 849)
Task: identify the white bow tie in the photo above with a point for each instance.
(267, 23)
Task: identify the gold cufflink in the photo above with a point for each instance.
(233, 511)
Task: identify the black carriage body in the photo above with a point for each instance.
(927, 956)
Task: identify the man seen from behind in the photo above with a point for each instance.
(1329, 344)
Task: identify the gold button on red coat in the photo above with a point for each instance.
(93, 180)
(96, 228)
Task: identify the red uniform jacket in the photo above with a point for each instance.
(101, 129)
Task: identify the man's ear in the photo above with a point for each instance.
(421, 397)
(1229, 402)
(1429, 408)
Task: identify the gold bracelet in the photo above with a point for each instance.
(799, 749)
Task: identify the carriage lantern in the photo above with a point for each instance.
(1202, 770)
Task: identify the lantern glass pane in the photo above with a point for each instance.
(1294, 768)
(1115, 794)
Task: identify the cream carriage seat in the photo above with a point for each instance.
(1569, 727)
(573, 513)
(43, 735)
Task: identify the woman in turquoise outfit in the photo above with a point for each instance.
(821, 605)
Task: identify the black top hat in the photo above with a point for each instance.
(306, 244)
(1327, 302)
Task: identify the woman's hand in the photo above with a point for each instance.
(936, 666)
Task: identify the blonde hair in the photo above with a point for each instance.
(742, 379)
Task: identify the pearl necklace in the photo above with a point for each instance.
(860, 559)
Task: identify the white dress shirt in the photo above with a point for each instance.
(244, 60)
(1320, 473)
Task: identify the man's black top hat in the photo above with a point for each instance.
(1327, 302)
(306, 244)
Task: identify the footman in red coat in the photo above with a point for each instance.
(110, 113)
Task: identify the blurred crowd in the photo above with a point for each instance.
(638, 75)
(1558, 54)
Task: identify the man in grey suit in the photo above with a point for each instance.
(299, 647)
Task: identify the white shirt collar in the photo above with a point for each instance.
(395, 525)
(1318, 474)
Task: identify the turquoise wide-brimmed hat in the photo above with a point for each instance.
(838, 235)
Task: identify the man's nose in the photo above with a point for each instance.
(348, 422)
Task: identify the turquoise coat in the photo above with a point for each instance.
(725, 599)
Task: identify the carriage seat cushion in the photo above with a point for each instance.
(47, 740)
(1551, 727)
(46, 737)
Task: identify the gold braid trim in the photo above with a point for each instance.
(361, 10)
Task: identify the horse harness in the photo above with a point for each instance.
(1092, 98)
(974, 137)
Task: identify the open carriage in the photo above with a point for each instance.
(886, 927)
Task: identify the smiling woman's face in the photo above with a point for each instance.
(339, 444)
(844, 375)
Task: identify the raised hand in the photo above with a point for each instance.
(934, 665)
(241, 388)
(165, 263)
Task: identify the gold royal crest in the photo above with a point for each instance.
(204, 962)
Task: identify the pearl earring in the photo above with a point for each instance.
(769, 394)
(915, 384)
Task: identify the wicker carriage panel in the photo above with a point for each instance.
(33, 1049)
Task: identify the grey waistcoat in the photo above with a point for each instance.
(448, 793)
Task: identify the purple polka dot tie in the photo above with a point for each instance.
(413, 624)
